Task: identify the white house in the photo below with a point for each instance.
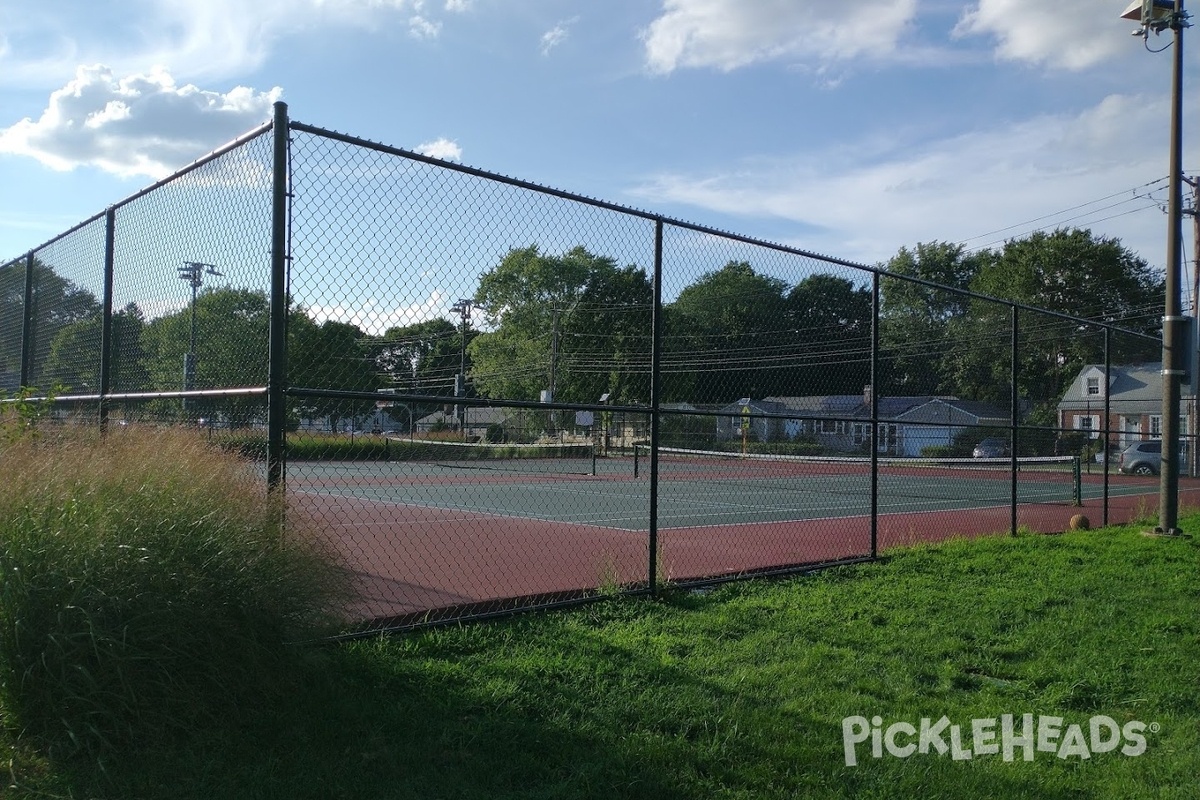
(1133, 396)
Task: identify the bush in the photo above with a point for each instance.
(147, 585)
(338, 448)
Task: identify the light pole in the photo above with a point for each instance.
(1158, 16)
(463, 309)
(193, 273)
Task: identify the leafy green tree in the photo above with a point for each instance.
(605, 340)
(57, 304)
(916, 319)
(331, 355)
(726, 338)
(1074, 272)
(1070, 272)
(231, 349)
(421, 358)
(74, 360)
(830, 318)
(566, 323)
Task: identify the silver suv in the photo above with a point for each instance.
(1145, 458)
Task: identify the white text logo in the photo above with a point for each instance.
(1006, 736)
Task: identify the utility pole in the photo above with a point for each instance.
(1173, 321)
(1159, 16)
(463, 309)
(192, 273)
(553, 369)
(553, 353)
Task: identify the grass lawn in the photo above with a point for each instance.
(739, 692)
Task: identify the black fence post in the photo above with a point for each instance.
(1107, 418)
(27, 322)
(875, 415)
(655, 399)
(106, 342)
(277, 343)
(1014, 401)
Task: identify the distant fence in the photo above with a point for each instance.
(500, 396)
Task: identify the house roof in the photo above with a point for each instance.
(952, 411)
(853, 405)
(476, 415)
(767, 406)
(1131, 387)
(821, 405)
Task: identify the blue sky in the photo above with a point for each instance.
(850, 129)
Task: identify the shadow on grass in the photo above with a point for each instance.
(370, 726)
(499, 712)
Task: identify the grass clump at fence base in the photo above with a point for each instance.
(146, 586)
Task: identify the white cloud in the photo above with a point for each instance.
(727, 34)
(1069, 34)
(375, 316)
(556, 35)
(199, 39)
(865, 199)
(444, 149)
(421, 28)
(134, 125)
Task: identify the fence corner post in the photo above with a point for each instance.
(277, 342)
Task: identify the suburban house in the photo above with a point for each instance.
(841, 423)
(1133, 397)
(475, 422)
(929, 422)
(749, 418)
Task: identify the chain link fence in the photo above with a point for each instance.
(496, 396)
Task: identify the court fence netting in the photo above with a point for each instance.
(493, 396)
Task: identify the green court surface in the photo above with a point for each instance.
(690, 494)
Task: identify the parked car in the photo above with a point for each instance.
(1144, 458)
(991, 448)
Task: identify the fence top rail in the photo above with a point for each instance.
(528, 185)
(691, 226)
(248, 391)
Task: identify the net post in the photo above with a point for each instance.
(1077, 481)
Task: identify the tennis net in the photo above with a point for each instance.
(562, 459)
(1039, 478)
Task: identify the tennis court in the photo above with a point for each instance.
(426, 537)
(696, 488)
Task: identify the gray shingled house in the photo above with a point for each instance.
(1133, 395)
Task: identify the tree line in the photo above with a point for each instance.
(579, 325)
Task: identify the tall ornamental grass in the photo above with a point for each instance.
(147, 586)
